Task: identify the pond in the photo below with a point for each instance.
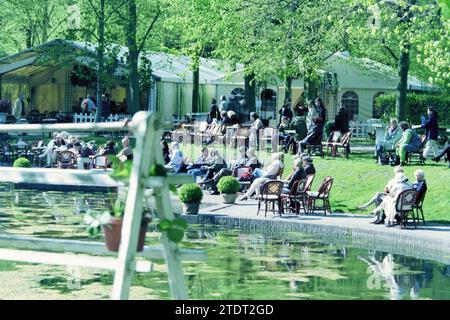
(239, 264)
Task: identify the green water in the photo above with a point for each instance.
(239, 264)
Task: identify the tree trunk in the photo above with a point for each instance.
(196, 88)
(402, 86)
(45, 22)
(100, 60)
(311, 88)
(288, 88)
(250, 92)
(133, 59)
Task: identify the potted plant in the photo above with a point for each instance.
(228, 188)
(111, 223)
(191, 195)
(22, 163)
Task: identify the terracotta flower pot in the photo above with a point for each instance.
(192, 208)
(229, 198)
(113, 231)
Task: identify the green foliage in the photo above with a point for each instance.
(95, 220)
(228, 185)
(175, 228)
(417, 106)
(22, 163)
(191, 193)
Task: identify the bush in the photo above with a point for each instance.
(22, 163)
(228, 185)
(191, 193)
(416, 106)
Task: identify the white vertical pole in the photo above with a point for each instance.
(133, 207)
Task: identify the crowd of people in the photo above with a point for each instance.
(83, 152)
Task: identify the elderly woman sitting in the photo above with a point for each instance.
(176, 158)
(388, 205)
(391, 137)
(271, 172)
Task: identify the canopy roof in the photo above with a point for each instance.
(165, 66)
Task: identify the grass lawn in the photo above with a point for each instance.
(358, 178)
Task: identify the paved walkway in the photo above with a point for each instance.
(431, 241)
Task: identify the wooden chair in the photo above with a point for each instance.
(271, 194)
(405, 205)
(418, 153)
(239, 172)
(300, 197)
(288, 199)
(341, 142)
(418, 209)
(66, 160)
(322, 194)
(315, 146)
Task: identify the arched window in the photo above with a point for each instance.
(350, 102)
(375, 112)
(238, 93)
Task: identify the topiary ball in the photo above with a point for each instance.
(22, 163)
(228, 185)
(191, 193)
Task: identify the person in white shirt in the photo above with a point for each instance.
(19, 106)
(254, 129)
(270, 173)
(176, 158)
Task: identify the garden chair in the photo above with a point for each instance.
(405, 205)
(288, 199)
(239, 173)
(299, 197)
(66, 160)
(341, 142)
(418, 209)
(266, 136)
(418, 153)
(322, 194)
(271, 195)
(315, 146)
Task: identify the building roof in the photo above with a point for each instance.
(165, 66)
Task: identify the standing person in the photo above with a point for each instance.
(213, 111)
(232, 104)
(286, 111)
(254, 130)
(243, 111)
(312, 113)
(223, 106)
(321, 110)
(166, 152)
(19, 107)
(341, 121)
(106, 110)
(432, 127)
(89, 103)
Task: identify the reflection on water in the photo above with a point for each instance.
(240, 264)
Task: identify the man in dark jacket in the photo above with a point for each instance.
(213, 111)
(420, 185)
(314, 135)
(432, 128)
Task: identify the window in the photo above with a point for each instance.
(350, 102)
(375, 112)
(238, 93)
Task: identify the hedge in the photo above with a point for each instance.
(416, 106)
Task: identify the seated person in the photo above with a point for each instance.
(48, 152)
(387, 206)
(233, 117)
(214, 165)
(166, 152)
(379, 196)
(282, 136)
(195, 169)
(176, 158)
(445, 152)
(271, 172)
(391, 138)
(410, 142)
(298, 123)
(420, 185)
(126, 153)
(83, 153)
(303, 167)
(108, 149)
(313, 135)
(240, 162)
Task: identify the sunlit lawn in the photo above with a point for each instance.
(358, 178)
